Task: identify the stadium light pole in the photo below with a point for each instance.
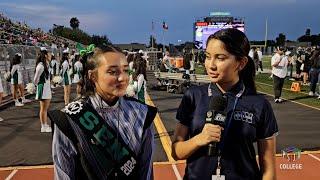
(163, 46)
(152, 35)
(266, 35)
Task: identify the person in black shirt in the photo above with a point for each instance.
(314, 73)
(249, 119)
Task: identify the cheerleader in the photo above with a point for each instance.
(140, 79)
(77, 74)
(66, 80)
(42, 80)
(130, 59)
(54, 68)
(17, 80)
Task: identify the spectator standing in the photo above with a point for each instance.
(279, 72)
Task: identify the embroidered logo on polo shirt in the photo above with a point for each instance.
(243, 116)
(74, 107)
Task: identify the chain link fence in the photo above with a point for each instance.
(28, 61)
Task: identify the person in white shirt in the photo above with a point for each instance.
(42, 80)
(260, 58)
(54, 69)
(66, 80)
(17, 80)
(77, 77)
(279, 65)
(166, 62)
(251, 52)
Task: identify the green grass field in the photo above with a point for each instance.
(266, 62)
(264, 84)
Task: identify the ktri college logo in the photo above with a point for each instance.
(292, 155)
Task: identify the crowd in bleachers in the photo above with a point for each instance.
(21, 34)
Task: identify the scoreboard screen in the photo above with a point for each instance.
(204, 29)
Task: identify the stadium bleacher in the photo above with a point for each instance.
(21, 34)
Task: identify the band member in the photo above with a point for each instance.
(105, 135)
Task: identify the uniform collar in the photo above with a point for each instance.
(99, 103)
(236, 90)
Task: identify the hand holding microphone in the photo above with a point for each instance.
(216, 116)
(210, 133)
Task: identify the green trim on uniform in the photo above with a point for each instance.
(141, 94)
(54, 69)
(15, 77)
(40, 91)
(66, 78)
(42, 79)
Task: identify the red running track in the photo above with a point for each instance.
(310, 164)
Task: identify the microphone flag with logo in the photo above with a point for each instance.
(216, 114)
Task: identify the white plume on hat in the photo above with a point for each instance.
(18, 54)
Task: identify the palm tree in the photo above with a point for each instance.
(74, 23)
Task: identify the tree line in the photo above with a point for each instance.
(76, 34)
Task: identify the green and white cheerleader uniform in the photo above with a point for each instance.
(16, 75)
(78, 68)
(65, 73)
(54, 66)
(141, 87)
(43, 83)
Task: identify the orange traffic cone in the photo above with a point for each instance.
(295, 87)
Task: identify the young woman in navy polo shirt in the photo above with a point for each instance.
(250, 117)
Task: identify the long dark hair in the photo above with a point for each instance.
(65, 57)
(141, 68)
(92, 62)
(42, 58)
(130, 58)
(16, 60)
(237, 44)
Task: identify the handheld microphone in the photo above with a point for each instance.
(216, 115)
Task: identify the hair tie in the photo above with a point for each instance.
(87, 50)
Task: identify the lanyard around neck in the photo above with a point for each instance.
(227, 127)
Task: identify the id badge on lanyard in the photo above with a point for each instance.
(218, 176)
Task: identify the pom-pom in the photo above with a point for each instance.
(31, 88)
(130, 91)
(57, 79)
(7, 76)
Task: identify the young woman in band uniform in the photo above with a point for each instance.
(106, 79)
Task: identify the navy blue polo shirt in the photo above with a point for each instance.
(253, 119)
